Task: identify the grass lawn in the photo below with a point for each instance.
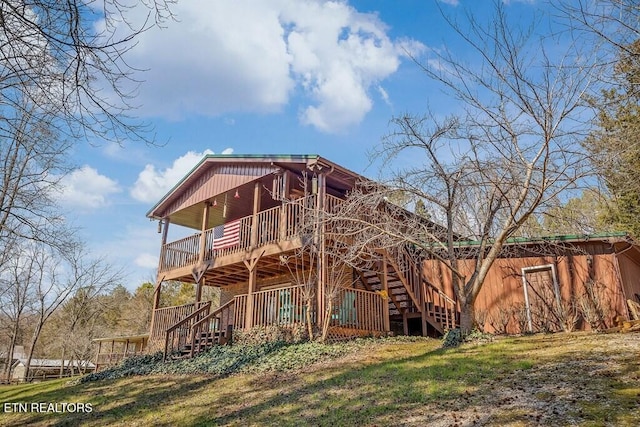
(562, 379)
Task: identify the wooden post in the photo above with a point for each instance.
(405, 323)
(156, 304)
(98, 355)
(254, 219)
(203, 240)
(248, 321)
(251, 266)
(322, 258)
(423, 299)
(385, 289)
(199, 287)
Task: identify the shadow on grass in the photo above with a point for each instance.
(408, 389)
(122, 401)
(500, 383)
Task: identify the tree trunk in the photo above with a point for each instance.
(327, 319)
(467, 312)
(308, 318)
(34, 340)
(12, 346)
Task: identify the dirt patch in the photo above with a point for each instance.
(588, 379)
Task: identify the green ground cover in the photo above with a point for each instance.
(562, 379)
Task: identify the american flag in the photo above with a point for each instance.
(226, 235)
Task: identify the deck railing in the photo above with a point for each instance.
(105, 360)
(179, 334)
(440, 307)
(359, 309)
(240, 312)
(180, 253)
(163, 319)
(283, 307)
(269, 226)
(353, 309)
(212, 328)
(295, 213)
(274, 224)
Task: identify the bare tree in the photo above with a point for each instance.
(15, 298)
(69, 59)
(33, 162)
(58, 276)
(511, 150)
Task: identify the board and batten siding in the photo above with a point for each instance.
(630, 275)
(503, 289)
(214, 181)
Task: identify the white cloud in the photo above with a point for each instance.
(241, 55)
(451, 2)
(85, 188)
(152, 183)
(146, 260)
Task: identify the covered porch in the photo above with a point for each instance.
(113, 350)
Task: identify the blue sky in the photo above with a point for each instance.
(246, 76)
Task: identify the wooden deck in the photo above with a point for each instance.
(113, 350)
(278, 230)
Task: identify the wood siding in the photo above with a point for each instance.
(503, 290)
(216, 180)
(630, 275)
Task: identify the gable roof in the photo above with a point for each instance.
(253, 166)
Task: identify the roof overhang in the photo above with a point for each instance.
(336, 175)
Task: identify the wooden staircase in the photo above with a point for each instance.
(199, 331)
(410, 296)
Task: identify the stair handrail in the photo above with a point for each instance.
(450, 304)
(204, 307)
(197, 327)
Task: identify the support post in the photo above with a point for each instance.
(203, 240)
(199, 287)
(423, 299)
(322, 257)
(98, 356)
(251, 266)
(156, 304)
(254, 218)
(385, 289)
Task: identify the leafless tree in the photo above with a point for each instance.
(69, 58)
(509, 152)
(58, 276)
(33, 162)
(15, 298)
(615, 23)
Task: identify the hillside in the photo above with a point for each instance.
(561, 379)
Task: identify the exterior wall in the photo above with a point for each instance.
(630, 275)
(228, 292)
(503, 293)
(217, 180)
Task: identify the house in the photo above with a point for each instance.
(552, 283)
(237, 223)
(243, 216)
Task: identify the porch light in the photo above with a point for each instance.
(215, 202)
(159, 226)
(236, 196)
